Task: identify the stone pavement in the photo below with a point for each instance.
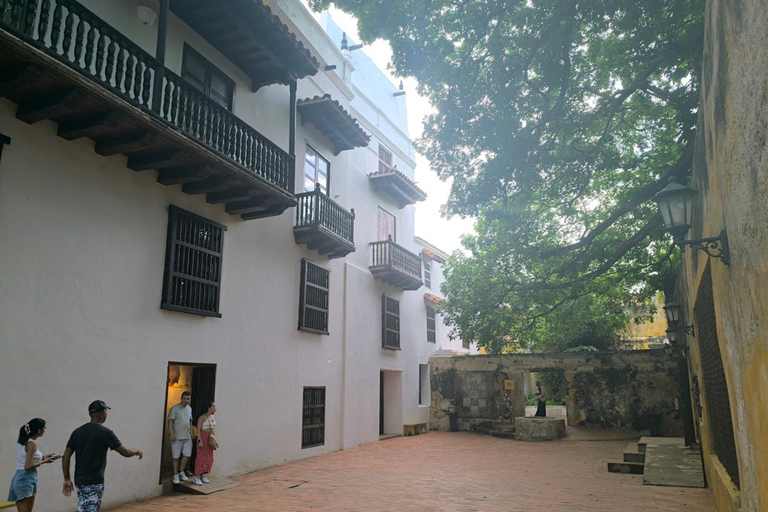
(445, 472)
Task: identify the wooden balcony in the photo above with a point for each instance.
(59, 61)
(324, 225)
(395, 265)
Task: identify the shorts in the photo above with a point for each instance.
(181, 447)
(23, 485)
(89, 498)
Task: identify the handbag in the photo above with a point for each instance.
(212, 442)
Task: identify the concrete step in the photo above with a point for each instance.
(632, 468)
(503, 430)
(632, 454)
(217, 484)
(659, 441)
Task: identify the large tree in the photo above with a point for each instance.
(558, 121)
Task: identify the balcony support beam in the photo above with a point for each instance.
(90, 125)
(50, 105)
(156, 160)
(162, 37)
(128, 143)
(292, 121)
(183, 174)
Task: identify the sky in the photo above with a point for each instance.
(441, 232)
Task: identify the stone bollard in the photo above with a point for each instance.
(539, 429)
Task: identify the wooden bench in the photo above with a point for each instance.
(412, 429)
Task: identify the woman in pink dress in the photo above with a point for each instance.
(206, 427)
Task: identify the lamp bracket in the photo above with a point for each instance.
(715, 247)
(689, 330)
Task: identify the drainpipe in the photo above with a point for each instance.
(162, 36)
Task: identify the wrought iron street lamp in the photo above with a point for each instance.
(674, 312)
(675, 203)
(672, 336)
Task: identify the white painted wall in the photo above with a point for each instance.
(82, 256)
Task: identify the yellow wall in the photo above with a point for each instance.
(731, 173)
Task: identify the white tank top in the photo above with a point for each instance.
(209, 422)
(21, 456)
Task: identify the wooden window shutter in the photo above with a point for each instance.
(314, 298)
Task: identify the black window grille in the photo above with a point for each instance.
(716, 393)
(314, 297)
(428, 274)
(313, 424)
(193, 252)
(431, 325)
(465, 344)
(390, 321)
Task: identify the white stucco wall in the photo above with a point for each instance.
(82, 253)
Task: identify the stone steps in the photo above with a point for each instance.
(217, 484)
(503, 430)
(632, 468)
(632, 453)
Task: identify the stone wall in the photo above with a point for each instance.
(731, 173)
(628, 388)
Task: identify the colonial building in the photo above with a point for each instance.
(205, 196)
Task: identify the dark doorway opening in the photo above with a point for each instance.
(381, 403)
(200, 380)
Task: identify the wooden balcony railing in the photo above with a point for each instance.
(324, 224)
(72, 34)
(395, 265)
(217, 128)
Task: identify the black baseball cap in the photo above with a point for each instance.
(97, 406)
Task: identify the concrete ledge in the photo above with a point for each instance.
(539, 429)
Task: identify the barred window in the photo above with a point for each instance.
(716, 394)
(313, 300)
(313, 424)
(428, 273)
(390, 321)
(431, 325)
(193, 251)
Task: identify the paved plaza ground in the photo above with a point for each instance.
(446, 472)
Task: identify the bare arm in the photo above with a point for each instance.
(68, 487)
(200, 422)
(31, 448)
(170, 429)
(128, 452)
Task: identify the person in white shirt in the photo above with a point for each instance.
(179, 426)
(28, 459)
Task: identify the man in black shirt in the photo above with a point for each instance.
(89, 443)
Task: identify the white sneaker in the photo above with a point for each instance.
(176, 478)
(197, 481)
(205, 479)
(183, 477)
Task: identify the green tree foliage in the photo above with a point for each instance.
(557, 121)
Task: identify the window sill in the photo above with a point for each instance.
(191, 311)
(387, 347)
(314, 331)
